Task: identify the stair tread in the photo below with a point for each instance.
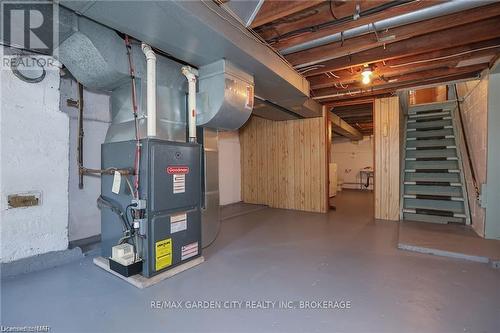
(431, 153)
(431, 143)
(443, 122)
(435, 205)
(423, 134)
(452, 191)
(444, 177)
(417, 115)
(431, 183)
(448, 164)
(432, 218)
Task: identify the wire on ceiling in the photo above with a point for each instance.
(444, 57)
(337, 21)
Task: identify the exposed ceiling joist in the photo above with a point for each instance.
(447, 53)
(328, 12)
(366, 100)
(382, 91)
(369, 41)
(389, 70)
(274, 10)
(457, 36)
(406, 78)
(339, 27)
(341, 127)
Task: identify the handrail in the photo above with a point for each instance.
(467, 149)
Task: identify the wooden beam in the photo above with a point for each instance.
(370, 41)
(458, 51)
(320, 15)
(351, 102)
(458, 36)
(382, 91)
(341, 127)
(403, 79)
(274, 10)
(391, 12)
(407, 66)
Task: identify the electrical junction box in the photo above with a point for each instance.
(170, 184)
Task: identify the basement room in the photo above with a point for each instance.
(250, 166)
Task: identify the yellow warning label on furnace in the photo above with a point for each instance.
(163, 254)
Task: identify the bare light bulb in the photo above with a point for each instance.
(366, 79)
(366, 74)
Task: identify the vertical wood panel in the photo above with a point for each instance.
(387, 146)
(307, 165)
(297, 148)
(290, 166)
(284, 163)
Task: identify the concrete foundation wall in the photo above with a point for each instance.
(84, 216)
(474, 110)
(34, 158)
(229, 168)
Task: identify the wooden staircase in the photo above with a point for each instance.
(433, 189)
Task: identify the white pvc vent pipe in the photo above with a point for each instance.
(151, 89)
(190, 74)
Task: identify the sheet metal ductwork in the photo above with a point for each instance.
(96, 56)
(226, 96)
(201, 33)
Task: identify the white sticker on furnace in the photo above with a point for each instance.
(179, 183)
(178, 222)
(117, 180)
(188, 251)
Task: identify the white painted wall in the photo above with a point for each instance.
(350, 158)
(34, 157)
(84, 216)
(229, 168)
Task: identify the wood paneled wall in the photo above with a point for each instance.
(429, 95)
(387, 158)
(284, 163)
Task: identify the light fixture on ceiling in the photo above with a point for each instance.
(366, 74)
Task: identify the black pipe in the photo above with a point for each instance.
(80, 136)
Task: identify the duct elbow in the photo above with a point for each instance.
(189, 73)
(148, 52)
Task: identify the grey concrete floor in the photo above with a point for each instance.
(276, 255)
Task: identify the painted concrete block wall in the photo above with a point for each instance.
(229, 168)
(33, 157)
(351, 157)
(474, 110)
(84, 216)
